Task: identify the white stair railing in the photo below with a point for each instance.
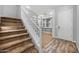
(32, 27)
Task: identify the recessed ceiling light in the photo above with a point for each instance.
(28, 7)
(51, 13)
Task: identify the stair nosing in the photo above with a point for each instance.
(11, 21)
(11, 31)
(11, 36)
(12, 18)
(12, 26)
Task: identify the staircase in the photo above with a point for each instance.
(14, 38)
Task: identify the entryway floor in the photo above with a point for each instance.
(57, 45)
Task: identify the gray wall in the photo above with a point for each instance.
(10, 11)
(77, 25)
(1, 9)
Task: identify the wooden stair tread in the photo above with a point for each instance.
(14, 37)
(31, 50)
(13, 21)
(11, 31)
(16, 19)
(11, 36)
(6, 45)
(21, 48)
(11, 27)
(4, 23)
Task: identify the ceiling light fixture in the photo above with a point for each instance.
(28, 7)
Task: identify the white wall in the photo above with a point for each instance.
(19, 11)
(78, 25)
(10, 11)
(64, 19)
(1, 10)
(75, 23)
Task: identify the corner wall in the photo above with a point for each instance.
(78, 25)
(10, 11)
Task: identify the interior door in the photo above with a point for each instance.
(65, 24)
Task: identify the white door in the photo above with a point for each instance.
(65, 24)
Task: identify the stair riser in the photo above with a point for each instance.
(13, 39)
(12, 28)
(11, 24)
(12, 33)
(10, 20)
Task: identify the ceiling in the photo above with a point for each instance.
(42, 9)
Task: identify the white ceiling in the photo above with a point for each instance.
(41, 9)
(44, 6)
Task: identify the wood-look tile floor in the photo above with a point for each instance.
(46, 38)
(56, 45)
